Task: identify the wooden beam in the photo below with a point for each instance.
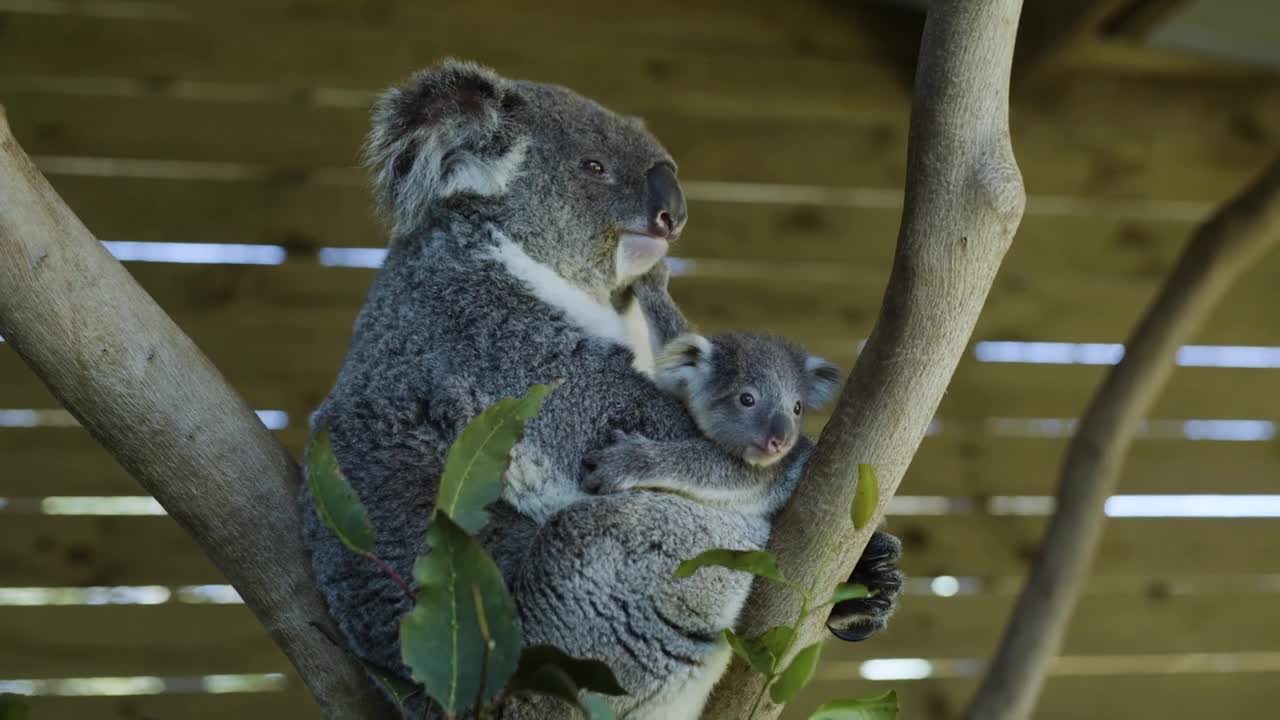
(1177, 695)
(1136, 19)
(60, 550)
(189, 640)
(962, 463)
(172, 640)
(1049, 27)
(280, 333)
(188, 706)
(1092, 136)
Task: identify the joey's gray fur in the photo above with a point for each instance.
(747, 394)
(524, 218)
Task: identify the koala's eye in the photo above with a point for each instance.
(595, 167)
(747, 399)
(796, 409)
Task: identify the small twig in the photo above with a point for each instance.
(395, 577)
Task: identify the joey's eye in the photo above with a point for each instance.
(747, 399)
(796, 409)
(595, 167)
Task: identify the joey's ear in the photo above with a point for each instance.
(683, 363)
(448, 130)
(822, 381)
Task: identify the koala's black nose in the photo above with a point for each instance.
(666, 204)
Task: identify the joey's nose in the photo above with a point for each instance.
(666, 203)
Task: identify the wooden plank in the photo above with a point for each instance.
(1047, 29)
(1090, 136)
(1102, 241)
(58, 550)
(967, 626)
(40, 462)
(352, 57)
(1179, 695)
(188, 640)
(805, 28)
(1093, 135)
(188, 706)
(131, 640)
(1046, 291)
(279, 334)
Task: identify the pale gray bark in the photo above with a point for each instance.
(1219, 252)
(964, 200)
(155, 402)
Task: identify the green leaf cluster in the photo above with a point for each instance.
(765, 654)
(462, 640)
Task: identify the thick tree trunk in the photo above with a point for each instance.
(156, 403)
(964, 200)
(1219, 252)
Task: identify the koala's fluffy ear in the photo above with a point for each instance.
(683, 364)
(447, 130)
(823, 379)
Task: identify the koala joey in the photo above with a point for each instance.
(747, 393)
(524, 220)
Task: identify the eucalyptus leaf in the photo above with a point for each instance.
(849, 591)
(473, 469)
(547, 670)
(547, 680)
(753, 652)
(866, 496)
(397, 687)
(880, 707)
(756, 562)
(798, 674)
(587, 674)
(461, 599)
(336, 501)
(14, 707)
(777, 640)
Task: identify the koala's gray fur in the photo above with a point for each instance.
(524, 217)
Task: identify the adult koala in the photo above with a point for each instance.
(523, 216)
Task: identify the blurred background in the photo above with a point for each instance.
(212, 145)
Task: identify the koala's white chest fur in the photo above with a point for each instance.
(594, 317)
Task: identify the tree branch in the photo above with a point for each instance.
(1219, 252)
(964, 200)
(156, 403)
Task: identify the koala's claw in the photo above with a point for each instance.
(621, 465)
(857, 620)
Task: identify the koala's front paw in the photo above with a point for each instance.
(627, 461)
(856, 620)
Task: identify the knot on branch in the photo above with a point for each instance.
(999, 183)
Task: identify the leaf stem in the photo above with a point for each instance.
(488, 648)
(760, 695)
(395, 576)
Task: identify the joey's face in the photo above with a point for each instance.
(748, 393)
(755, 405)
(602, 200)
(579, 188)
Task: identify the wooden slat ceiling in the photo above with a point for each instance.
(240, 122)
